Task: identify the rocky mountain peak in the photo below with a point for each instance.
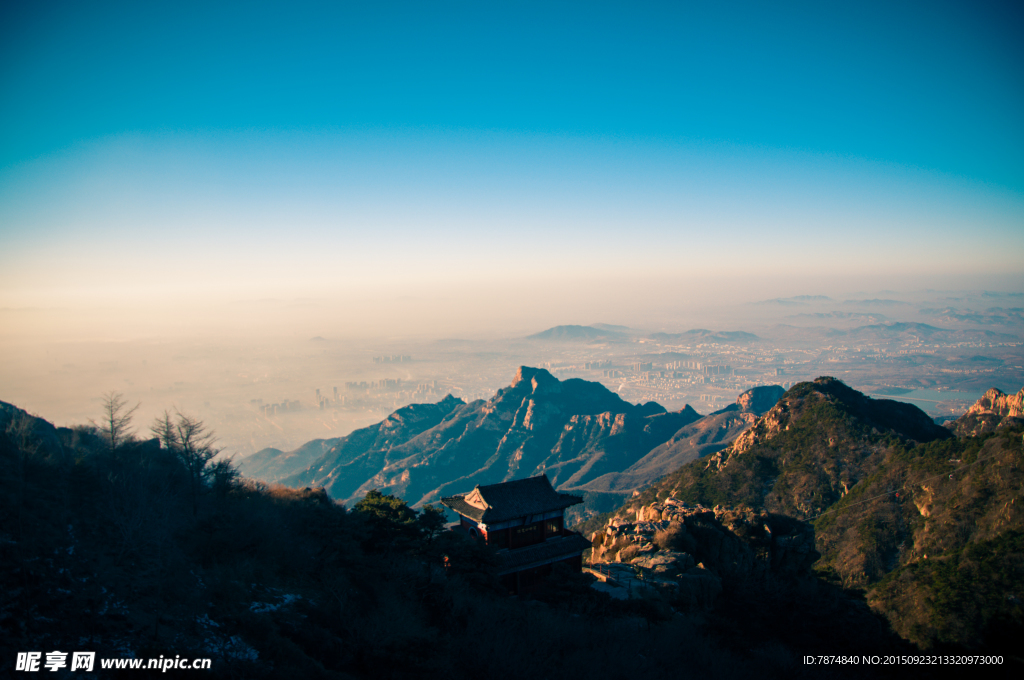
(573, 430)
(902, 419)
(806, 452)
(995, 410)
(996, 402)
(534, 377)
(755, 401)
(653, 408)
(450, 401)
(760, 399)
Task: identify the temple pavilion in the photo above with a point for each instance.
(524, 520)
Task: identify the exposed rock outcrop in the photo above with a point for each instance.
(760, 399)
(695, 551)
(993, 411)
(613, 443)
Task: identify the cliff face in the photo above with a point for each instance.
(594, 446)
(993, 411)
(573, 430)
(696, 439)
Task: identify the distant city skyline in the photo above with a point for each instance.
(438, 158)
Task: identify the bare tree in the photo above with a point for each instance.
(163, 428)
(117, 418)
(190, 441)
(21, 429)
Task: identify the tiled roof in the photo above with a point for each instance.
(511, 500)
(549, 551)
(459, 505)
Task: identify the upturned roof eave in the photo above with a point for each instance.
(511, 500)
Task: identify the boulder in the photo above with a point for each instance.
(665, 562)
(705, 550)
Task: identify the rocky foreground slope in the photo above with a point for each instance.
(691, 550)
(927, 524)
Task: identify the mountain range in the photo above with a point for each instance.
(611, 333)
(892, 330)
(881, 330)
(583, 436)
(705, 335)
(116, 546)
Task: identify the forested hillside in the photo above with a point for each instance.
(106, 544)
(928, 525)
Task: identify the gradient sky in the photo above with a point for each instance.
(183, 151)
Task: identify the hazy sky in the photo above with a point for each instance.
(366, 153)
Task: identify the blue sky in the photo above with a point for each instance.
(306, 148)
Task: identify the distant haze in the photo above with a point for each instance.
(188, 195)
(438, 227)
